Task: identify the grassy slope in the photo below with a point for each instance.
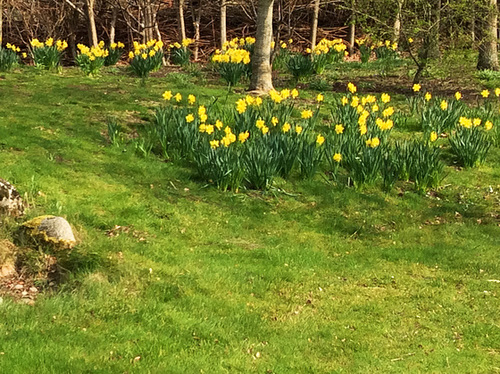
(324, 279)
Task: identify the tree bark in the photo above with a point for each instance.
(1, 22)
(92, 28)
(196, 13)
(262, 80)
(397, 22)
(223, 29)
(352, 28)
(314, 31)
(112, 26)
(180, 19)
(488, 51)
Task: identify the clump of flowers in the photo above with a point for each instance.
(180, 53)
(471, 140)
(232, 63)
(386, 50)
(91, 59)
(8, 56)
(115, 52)
(146, 58)
(327, 52)
(48, 54)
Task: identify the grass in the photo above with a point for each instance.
(320, 279)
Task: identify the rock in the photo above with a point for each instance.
(7, 253)
(51, 230)
(11, 202)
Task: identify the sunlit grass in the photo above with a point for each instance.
(320, 279)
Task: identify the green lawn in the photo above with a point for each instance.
(321, 279)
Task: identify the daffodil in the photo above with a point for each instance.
(306, 114)
(428, 96)
(167, 95)
(320, 98)
(433, 137)
(320, 139)
(385, 98)
(191, 99)
(189, 118)
(337, 157)
(416, 87)
(485, 93)
(339, 129)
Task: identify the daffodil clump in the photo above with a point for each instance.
(8, 56)
(180, 53)
(115, 52)
(471, 140)
(232, 63)
(468, 129)
(315, 61)
(364, 50)
(48, 54)
(385, 50)
(327, 52)
(91, 59)
(146, 58)
(438, 115)
(258, 140)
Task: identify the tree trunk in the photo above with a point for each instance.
(397, 22)
(112, 26)
(488, 52)
(314, 31)
(92, 28)
(196, 13)
(262, 79)
(1, 22)
(223, 29)
(434, 31)
(352, 28)
(180, 19)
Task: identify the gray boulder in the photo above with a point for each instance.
(51, 230)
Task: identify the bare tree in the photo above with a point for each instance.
(223, 29)
(397, 21)
(488, 51)
(180, 19)
(314, 31)
(92, 29)
(262, 80)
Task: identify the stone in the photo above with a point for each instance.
(51, 230)
(7, 259)
(11, 202)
